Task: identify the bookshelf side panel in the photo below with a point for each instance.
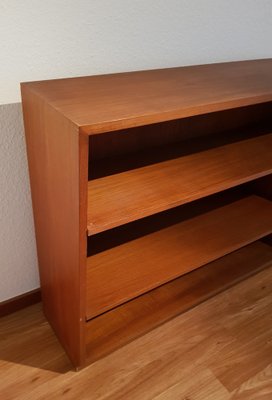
(54, 149)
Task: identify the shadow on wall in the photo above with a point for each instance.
(18, 259)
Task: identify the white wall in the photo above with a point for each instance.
(58, 38)
(18, 261)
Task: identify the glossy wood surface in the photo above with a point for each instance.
(125, 197)
(63, 118)
(219, 350)
(119, 326)
(145, 226)
(58, 177)
(111, 102)
(126, 271)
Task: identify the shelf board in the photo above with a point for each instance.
(105, 103)
(121, 198)
(173, 251)
(121, 325)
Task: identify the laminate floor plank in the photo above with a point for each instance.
(208, 388)
(259, 387)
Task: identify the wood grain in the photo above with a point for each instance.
(126, 233)
(196, 355)
(58, 182)
(117, 101)
(113, 329)
(63, 116)
(123, 272)
(121, 198)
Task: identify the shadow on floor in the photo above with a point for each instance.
(26, 338)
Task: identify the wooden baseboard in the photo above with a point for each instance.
(19, 302)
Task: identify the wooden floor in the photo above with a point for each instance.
(219, 350)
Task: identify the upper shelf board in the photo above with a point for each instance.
(121, 198)
(104, 103)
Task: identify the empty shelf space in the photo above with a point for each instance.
(119, 326)
(121, 198)
(125, 233)
(135, 267)
(168, 142)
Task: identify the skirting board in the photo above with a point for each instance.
(17, 303)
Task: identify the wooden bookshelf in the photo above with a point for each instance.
(150, 191)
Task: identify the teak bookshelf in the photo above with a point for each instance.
(151, 192)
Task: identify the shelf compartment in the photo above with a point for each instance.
(126, 233)
(121, 325)
(121, 198)
(135, 267)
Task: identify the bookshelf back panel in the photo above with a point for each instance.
(119, 151)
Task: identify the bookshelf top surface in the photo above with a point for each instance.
(104, 103)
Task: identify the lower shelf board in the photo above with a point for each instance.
(140, 265)
(123, 324)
